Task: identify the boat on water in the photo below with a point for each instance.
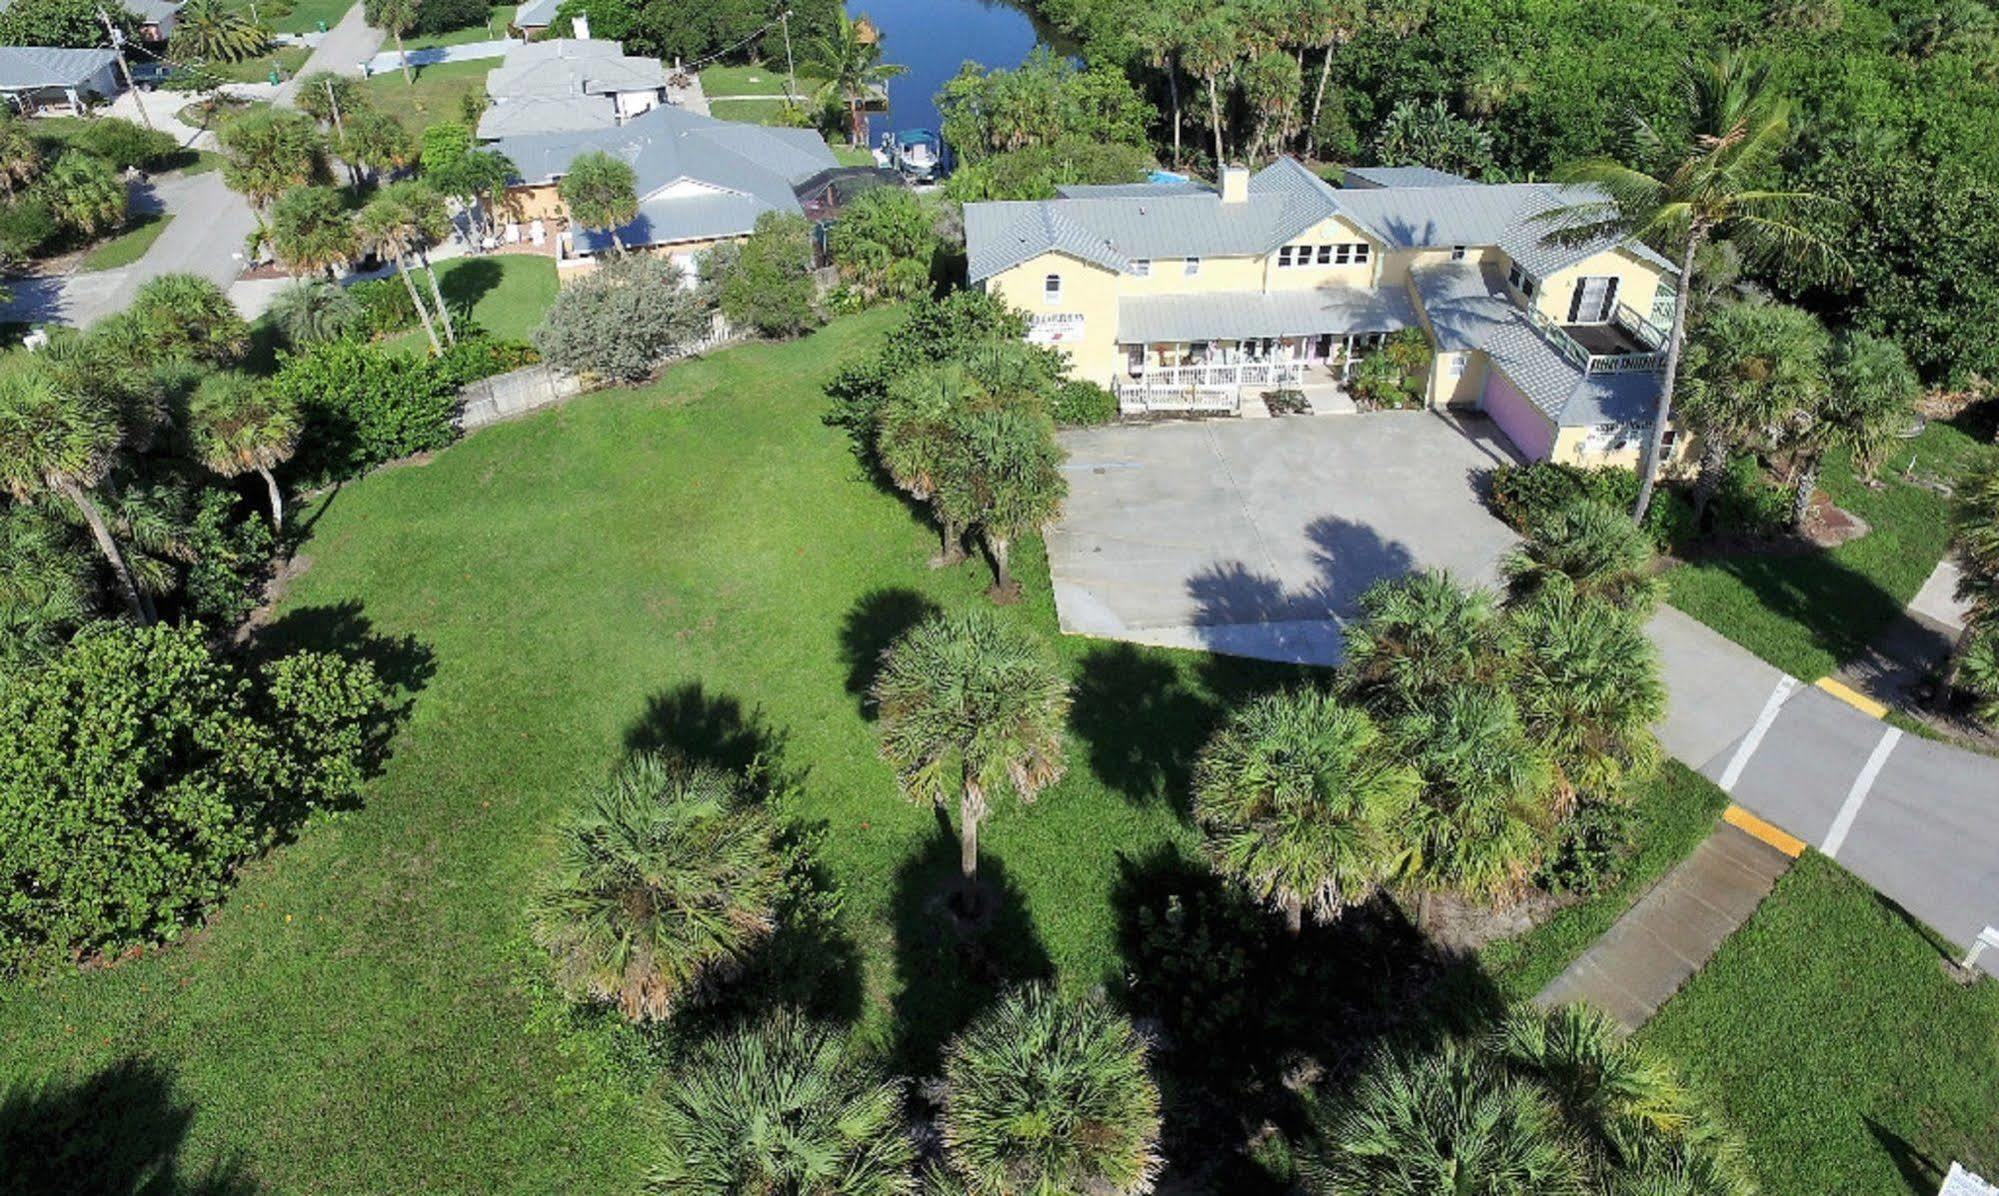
(918, 154)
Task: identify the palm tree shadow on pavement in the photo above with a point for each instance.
(947, 971)
(119, 1130)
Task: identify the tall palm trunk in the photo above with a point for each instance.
(1294, 913)
(1714, 455)
(1001, 548)
(1173, 90)
(422, 312)
(128, 586)
(971, 812)
(437, 293)
(404, 55)
(1318, 100)
(1801, 500)
(953, 551)
(277, 499)
(1655, 444)
(1215, 119)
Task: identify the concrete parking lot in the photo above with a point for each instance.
(1256, 536)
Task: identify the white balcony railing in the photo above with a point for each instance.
(1602, 363)
(1215, 388)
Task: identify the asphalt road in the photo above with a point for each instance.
(1253, 538)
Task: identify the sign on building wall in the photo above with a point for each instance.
(1054, 328)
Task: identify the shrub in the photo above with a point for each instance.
(385, 304)
(1523, 496)
(324, 709)
(443, 16)
(26, 225)
(623, 319)
(1589, 848)
(125, 144)
(1978, 674)
(478, 355)
(934, 330)
(134, 777)
(232, 547)
(769, 287)
(363, 406)
(883, 244)
(1080, 404)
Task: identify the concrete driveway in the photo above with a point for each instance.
(1255, 537)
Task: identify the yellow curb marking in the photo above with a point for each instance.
(1756, 828)
(1852, 697)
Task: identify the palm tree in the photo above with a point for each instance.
(1419, 638)
(1978, 673)
(478, 177)
(268, 152)
(1974, 518)
(1588, 549)
(46, 585)
(204, 30)
(915, 434)
(1752, 369)
(972, 692)
(783, 1105)
(377, 142)
(1484, 806)
(1685, 192)
(430, 220)
(1050, 1094)
(62, 439)
(392, 227)
(662, 884)
(395, 18)
(601, 192)
(1870, 401)
(238, 425)
(84, 193)
(311, 232)
(1210, 55)
(1270, 85)
(186, 317)
(1305, 803)
(310, 310)
(1586, 680)
(20, 154)
(1329, 24)
(1447, 1120)
(1161, 35)
(1004, 477)
(851, 60)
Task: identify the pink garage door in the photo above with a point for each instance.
(1530, 431)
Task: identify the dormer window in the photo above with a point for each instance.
(1051, 289)
(1142, 267)
(1457, 253)
(1193, 266)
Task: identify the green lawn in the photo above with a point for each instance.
(286, 60)
(755, 112)
(1675, 811)
(461, 37)
(505, 293)
(128, 246)
(434, 96)
(699, 562)
(304, 17)
(1808, 613)
(721, 82)
(1834, 1042)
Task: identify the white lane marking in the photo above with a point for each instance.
(1750, 742)
(1835, 836)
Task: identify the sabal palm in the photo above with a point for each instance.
(1974, 519)
(1418, 638)
(1682, 192)
(310, 310)
(851, 61)
(1588, 688)
(46, 588)
(190, 318)
(310, 231)
(915, 434)
(1447, 1120)
(1004, 477)
(240, 425)
(205, 29)
(20, 154)
(974, 706)
(1329, 24)
(1485, 803)
(393, 227)
(1590, 550)
(61, 439)
(84, 193)
(661, 886)
(1871, 400)
(1045, 1094)
(376, 142)
(395, 18)
(601, 192)
(1210, 53)
(785, 1105)
(1305, 803)
(1753, 371)
(267, 153)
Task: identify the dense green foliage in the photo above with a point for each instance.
(362, 406)
(124, 143)
(1020, 132)
(71, 23)
(143, 767)
(698, 29)
(884, 244)
(765, 284)
(623, 320)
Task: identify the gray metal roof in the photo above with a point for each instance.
(24, 67)
(536, 13)
(566, 115)
(565, 67)
(1235, 315)
(746, 170)
(1111, 226)
(1469, 309)
(153, 11)
(1128, 190)
(1403, 176)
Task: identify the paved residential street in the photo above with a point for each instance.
(1254, 538)
(345, 47)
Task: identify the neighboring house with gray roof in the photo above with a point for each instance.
(535, 16)
(569, 85)
(39, 78)
(1191, 296)
(700, 181)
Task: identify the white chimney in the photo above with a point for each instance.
(1235, 184)
(581, 25)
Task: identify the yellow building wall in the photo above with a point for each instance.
(1637, 283)
(1569, 450)
(1169, 277)
(1396, 265)
(1087, 290)
(1461, 392)
(1327, 232)
(535, 203)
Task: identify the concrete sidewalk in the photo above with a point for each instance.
(388, 60)
(1672, 931)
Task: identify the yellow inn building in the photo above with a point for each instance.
(1182, 296)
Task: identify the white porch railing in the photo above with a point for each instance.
(1241, 373)
(1596, 363)
(1138, 397)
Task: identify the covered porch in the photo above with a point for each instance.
(1207, 352)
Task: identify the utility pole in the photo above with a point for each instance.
(118, 48)
(790, 68)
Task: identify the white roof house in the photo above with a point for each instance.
(569, 85)
(33, 77)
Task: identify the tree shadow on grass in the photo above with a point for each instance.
(469, 280)
(689, 722)
(1245, 1013)
(1920, 1173)
(876, 621)
(949, 973)
(118, 1131)
(1841, 610)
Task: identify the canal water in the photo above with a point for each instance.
(933, 38)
